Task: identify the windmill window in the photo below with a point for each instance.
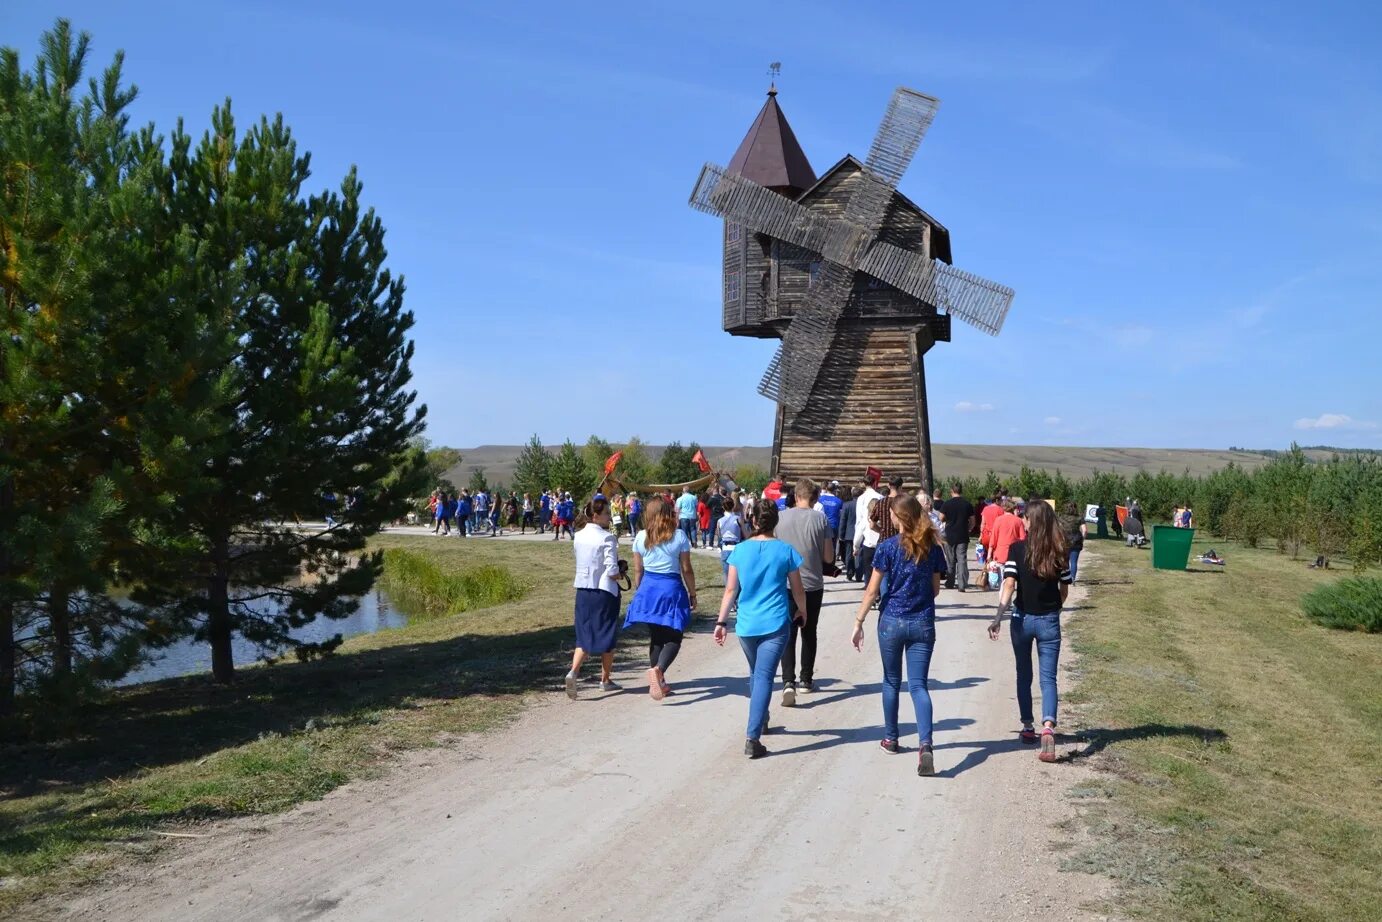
(732, 232)
(815, 270)
(732, 285)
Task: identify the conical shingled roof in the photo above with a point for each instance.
(770, 154)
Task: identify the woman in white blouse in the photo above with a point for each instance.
(597, 594)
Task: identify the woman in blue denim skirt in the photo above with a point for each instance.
(762, 570)
(913, 562)
(1036, 580)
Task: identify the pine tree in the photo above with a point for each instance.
(310, 400)
(595, 453)
(635, 466)
(95, 365)
(478, 483)
(675, 465)
(569, 472)
(532, 468)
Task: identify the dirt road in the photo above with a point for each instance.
(615, 807)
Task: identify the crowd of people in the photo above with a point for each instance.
(778, 549)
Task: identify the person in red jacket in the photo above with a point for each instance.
(703, 519)
(1008, 529)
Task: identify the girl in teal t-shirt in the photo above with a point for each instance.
(761, 572)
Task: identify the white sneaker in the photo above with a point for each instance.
(571, 685)
(789, 696)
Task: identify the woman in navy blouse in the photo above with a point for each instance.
(913, 563)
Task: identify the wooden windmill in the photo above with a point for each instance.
(855, 279)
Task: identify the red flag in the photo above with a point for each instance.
(698, 459)
(873, 475)
(613, 462)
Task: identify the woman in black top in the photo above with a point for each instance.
(1036, 580)
(1073, 527)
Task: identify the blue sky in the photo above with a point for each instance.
(1186, 197)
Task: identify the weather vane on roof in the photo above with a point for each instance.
(775, 71)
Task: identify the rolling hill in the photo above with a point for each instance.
(951, 460)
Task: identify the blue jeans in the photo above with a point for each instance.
(763, 652)
(688, 527)
(912, 639)
(1074, 564)
(1045, 630)
(725, 551)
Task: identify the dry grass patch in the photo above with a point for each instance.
(1243, 777)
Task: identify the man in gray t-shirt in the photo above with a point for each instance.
(807, 530)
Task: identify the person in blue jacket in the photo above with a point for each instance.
(830, 504)
(463, 511)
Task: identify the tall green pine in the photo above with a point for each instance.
(532, 468)
(311, 405)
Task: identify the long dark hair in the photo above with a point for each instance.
(764, 517)
(1047, 553)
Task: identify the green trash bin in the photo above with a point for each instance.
(1171, 547)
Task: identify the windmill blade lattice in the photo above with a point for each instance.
(972, 298)
(847, 244)
(905, 123)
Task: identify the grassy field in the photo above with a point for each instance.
(171, 754)
(950, 460)
(1246, 781)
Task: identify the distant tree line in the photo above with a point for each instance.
(198, 355)
(1331, 507)
(578, 469)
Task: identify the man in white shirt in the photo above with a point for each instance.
(864, 532)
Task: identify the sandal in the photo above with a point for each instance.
(1048, 745)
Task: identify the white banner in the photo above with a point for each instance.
(1091, 513)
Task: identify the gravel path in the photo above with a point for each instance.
(616, 807)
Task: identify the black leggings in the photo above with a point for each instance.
(664, 643)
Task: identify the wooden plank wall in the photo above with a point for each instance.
(864, 411)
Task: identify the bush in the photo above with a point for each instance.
(419, 587)
(1353, 604)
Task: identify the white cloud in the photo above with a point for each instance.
(968, 406)
(1053, 420)
(1333, 421)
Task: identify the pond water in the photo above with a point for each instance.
(188, 656)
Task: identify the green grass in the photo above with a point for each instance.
(1353, 604)
(177, 753)
(1238, 742)
(417, 585)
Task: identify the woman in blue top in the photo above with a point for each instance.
(445, 509)
(758, 570)
(664, 590)
(913, 563)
